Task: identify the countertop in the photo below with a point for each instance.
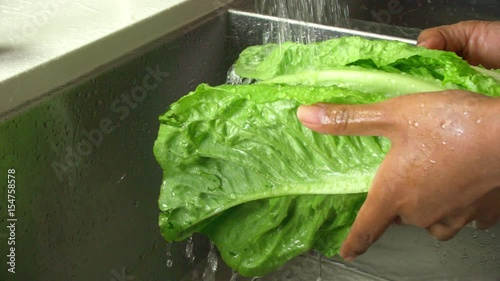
(45, 44)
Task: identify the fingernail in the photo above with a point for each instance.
(350, 258)
(311, 114)
(422, 44)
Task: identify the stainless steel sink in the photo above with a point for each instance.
(88, 183)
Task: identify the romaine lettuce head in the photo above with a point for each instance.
(239, 167)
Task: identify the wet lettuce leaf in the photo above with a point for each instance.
(432, 66)
(239, 167)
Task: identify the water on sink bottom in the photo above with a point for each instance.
(307, 267)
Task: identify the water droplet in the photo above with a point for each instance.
(168, 249)
(120, 180)
(170, 263)
(478, 121)
(432, 161)
(484, 259)
(446, 124)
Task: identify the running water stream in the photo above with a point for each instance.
(334, 12)
(307, 12)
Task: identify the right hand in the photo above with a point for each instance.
(441, 172)
(475, 41)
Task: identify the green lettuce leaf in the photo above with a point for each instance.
(444, 68)
(239, 167)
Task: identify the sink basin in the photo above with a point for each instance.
(88, 183)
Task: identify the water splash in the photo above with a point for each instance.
(212, 263)
(234, 277)
(189, 254)
(234, 79)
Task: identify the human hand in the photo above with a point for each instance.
(443, 168)
(475, 41)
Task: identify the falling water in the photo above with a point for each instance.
(212, 263)
(234, 276)
(331, 12)
(170, 262)
(320, 261)
(190, 250)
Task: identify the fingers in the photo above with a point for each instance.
(487, 223)
(374, 217)
(359, 120)
(451, 38)
(482, 215)
(441, 231)
(370, 224)
(482, 224)
(449, 227)
(488, 213)
(475, 41)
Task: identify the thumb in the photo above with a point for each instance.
(475, 41)
(345, 120)
(453, 38)
(432, 39)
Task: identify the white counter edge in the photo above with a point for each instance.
(40, 80)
